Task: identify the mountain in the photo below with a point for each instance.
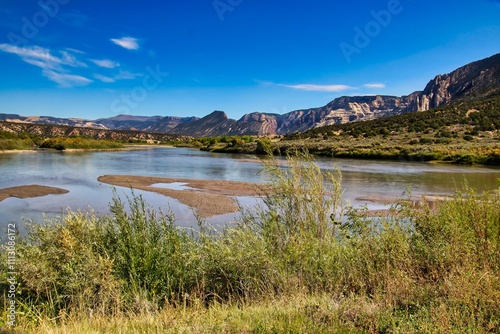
(77, 122)
(128, 122)
(166, 124)
(215, 124)
(153, 124)
(480, 79)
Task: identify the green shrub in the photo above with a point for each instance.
(468, 137)
(79, 143)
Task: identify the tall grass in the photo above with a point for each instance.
(302, 262)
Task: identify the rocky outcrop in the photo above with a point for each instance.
(477, 79)
(342, 110)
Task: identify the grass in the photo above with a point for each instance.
(79, 143)
(24, 141)
(13, 141)
(302, 263)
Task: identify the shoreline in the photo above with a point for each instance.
(125, 148)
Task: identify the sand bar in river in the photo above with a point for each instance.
(30, 191)
(209, 197)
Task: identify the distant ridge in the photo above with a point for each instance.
(480, 79)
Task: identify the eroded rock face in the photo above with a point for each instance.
(480, 78)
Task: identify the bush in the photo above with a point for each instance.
(468, 138)
(79, 143)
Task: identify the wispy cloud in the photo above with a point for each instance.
(126, 75)
(122, 75)
(66, 80)
(42, 57)
(75, 50)
(53, 66)
(319, 88)
(129, 43)
(59, 66)
(106, 63)
(104, 78)
(374, 85)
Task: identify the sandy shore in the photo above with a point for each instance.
(30, 191)
(417, 200)
(17, 151)
(208, 197)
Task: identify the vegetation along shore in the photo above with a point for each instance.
(303, 263)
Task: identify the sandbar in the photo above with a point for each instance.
(416, 200)
(208, 197)
(30, 191)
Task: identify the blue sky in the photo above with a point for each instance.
(93, 59)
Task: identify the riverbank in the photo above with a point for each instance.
(460, 152)
(131, 147)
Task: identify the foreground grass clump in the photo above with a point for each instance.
(302, 263)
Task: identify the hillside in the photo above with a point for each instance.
(50, 131)
(466, 132)
(477, 80)
(470, 115)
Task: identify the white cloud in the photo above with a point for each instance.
(66, 80)
(75, 50)
(106, 63)
(374, 85)
(126, 75)
(53, 66)
(319, 88)
(129, 43)
(42, 57)
(104, 78)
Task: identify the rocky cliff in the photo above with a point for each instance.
(477, 79)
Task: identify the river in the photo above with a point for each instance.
(77, 172)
